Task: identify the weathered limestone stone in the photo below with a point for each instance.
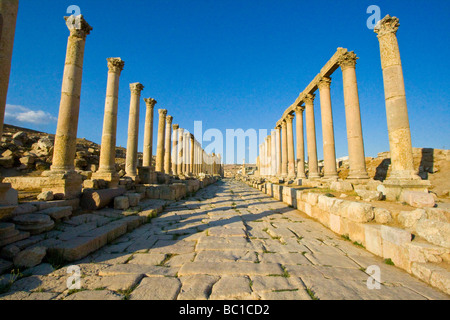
(58, 213)
(159, 288)
(34, 223)
(95, 295)
(133, 199)
(97, 199)
(342, 186)
(30, 257)
(161, 141)
(133, 130)
(121, 203)
(435, 232)
(107, 169)
(409, 218)
(369, 195)
(382, 215)
(45, 196)
(418, 199)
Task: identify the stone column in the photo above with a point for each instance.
(133, 130)
(278, 149)
(8, 14)
(62, 178)
(107, 163)
(180, 151)
(269, 155)
(329, 152)
(148, 133)
(273, 152)
(300, 142)
(161, 141)
(191, 164)
(284, 149)
(186, 154)
(396, 109)
(357, 160)
(167, 146)
(290, 146)
(175, 149)
(66, 131)
(311, 137)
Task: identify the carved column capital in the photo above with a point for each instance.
(309, 98)
(150, 102)
(299, 109)
(289, 118)
(136, 88)
(387, 25)
(115, 65)
(77, 26)
(324, 83)
(175, 127)
(162, 112)
(169, 120)
(347, 60)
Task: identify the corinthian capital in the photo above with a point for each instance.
(348, 59)
(325, 82)
(309, 98)
(77, 26)
(150, 102)
(299, 109)
(136, 88)
(115, 65)
(169, 120)
(162, 112)
(289, 118)
(175, 127)
(387, 25)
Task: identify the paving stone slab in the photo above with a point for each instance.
(157, 289)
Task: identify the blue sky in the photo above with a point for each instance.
(232, 64)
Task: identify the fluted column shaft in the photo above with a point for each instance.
(399, 131)
(66, 131)
(311, 137)
(133, 130)
(108, 147)
(300, 142)
(148, 133)
(8, 10)
(356, 156)
(161, 141)
(167, 146)
(329, 151)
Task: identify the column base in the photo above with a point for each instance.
(357, 175)
(111, 178)
(64, 185)
(147, 175)
(8, 200)
(314, 176)
(395, 187)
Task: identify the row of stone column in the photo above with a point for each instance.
(276, 157)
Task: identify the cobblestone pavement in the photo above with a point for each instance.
(229, 241)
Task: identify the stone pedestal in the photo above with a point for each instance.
(147, 175)
(8, 200)
(63, 185)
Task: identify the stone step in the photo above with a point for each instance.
(436, 275)
(57, 213)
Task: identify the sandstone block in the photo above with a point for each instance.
(418, 199)
(373, 239)
(360, 212)
(382, 215)
(395, 235)
(121, 203)
(342, 186)
(45, 196)
(30, 257)
(435, 232)
(133, 199)
(409, 219)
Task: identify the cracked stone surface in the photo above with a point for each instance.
(228, 241)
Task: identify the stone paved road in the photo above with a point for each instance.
(229, 241)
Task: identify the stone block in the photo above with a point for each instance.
(360, 212)
(342, 186)
(382, 215)
(409, 219)
(45, 196)
(395, 235)
(133, 199)
(29, 258)
(418, 199)
(436, 232)
(373, 239)
(121, 203)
